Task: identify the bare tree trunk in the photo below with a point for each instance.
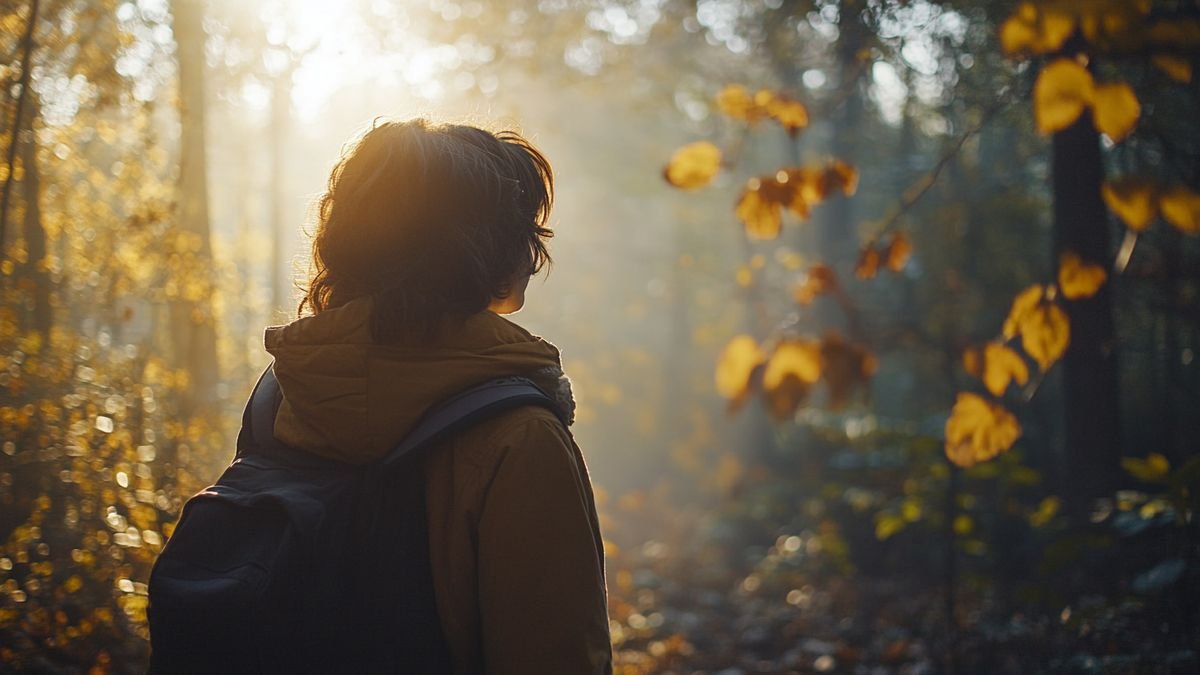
(193, 334)
(1092, 410)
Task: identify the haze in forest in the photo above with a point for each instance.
(881, 316)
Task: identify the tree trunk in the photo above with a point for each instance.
(1093, 439)
(26, 79)
(277, 133)
(34, 230)
(193, 334)
(836, 234)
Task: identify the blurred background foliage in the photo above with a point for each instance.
(901, 379)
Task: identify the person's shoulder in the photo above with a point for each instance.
(525, 429)
(523, 426)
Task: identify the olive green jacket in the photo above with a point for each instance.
(518, 563)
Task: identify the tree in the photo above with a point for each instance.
(193, 335)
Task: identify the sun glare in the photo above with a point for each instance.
(328, 46)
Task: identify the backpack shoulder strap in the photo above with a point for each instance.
(264, 402)
(469, 407)
(453, 414)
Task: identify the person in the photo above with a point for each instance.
(427, 234)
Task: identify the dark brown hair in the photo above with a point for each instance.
(433, 221)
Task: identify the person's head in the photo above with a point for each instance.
(435, 222)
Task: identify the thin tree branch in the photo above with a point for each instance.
(26, 76)
(918, 189)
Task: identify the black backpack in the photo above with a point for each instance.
(292, 563)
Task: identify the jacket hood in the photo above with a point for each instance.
(350, 399)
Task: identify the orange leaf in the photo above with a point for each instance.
(1133, 200)
(972, 359)
(735, 366)
(897, 252)
(1077, 279)
(808, 186)
(819, 280)
(844, 176)
(1062, 91)
(978, 430)
(868, 263)
(1181, 207)
(1045, 333)
(693, 166)
(845, 367)
(1116, 110)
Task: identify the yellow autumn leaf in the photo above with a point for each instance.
(1133, 200)
(693, 166)
(72, 584)
(963, 524)
(1054, 27)
(1062, 91)
(1181, 207)
(1046, 511)
(808, 187)
(888, 524)
(1045, 333)
(735, 366)
(978, 430)
(1035, 30)
(735, 102)
(1025, 301)
(1017, 35)
(791, 115)
(1001, 365)
(1177, 68)
(759, 211)
(796, 356)
(793, 368)
(1116, 110)
(1078, 279)
(1153, 469)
